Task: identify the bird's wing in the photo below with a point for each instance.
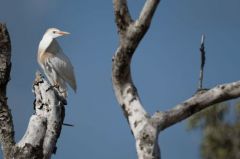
(63, 67)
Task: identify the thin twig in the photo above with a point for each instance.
(203, 58)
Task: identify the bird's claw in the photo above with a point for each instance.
(52, 87)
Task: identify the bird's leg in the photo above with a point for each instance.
(50, 87)
(53, 86)
(56, 86)
(62, 92)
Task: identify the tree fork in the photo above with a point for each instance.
(146, 128)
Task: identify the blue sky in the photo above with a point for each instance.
(165, 67)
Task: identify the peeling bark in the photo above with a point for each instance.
(45, 125)
(39, 141)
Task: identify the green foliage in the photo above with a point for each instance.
(221, 132)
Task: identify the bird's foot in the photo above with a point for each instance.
(52, 87)
(56, 86)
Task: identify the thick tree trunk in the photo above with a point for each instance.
(146, 128)
(39, 141)
(6, 124)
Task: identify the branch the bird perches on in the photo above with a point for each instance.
(45, 124)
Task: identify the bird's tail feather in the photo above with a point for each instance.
(73, 85)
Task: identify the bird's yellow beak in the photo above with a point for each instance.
(63, 33)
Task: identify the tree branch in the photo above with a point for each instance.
(45, 125)
(122, 15)
(203, 59)
(131, 33)
(199, 101)
(6, 124)
(145, 129)
(124, 88)
(147, 12)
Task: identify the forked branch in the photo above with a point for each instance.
(130, 35)
(146, 128)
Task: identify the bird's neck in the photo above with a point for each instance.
(44, 43)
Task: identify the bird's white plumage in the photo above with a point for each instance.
(55, 64)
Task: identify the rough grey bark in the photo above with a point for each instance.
(39, 141)
(199, 101)
(146, 128)
(6, 124)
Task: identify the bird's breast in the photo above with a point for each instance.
(43, 57)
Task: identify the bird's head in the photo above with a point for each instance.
(54, 33)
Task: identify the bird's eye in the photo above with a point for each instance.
(54, 32)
